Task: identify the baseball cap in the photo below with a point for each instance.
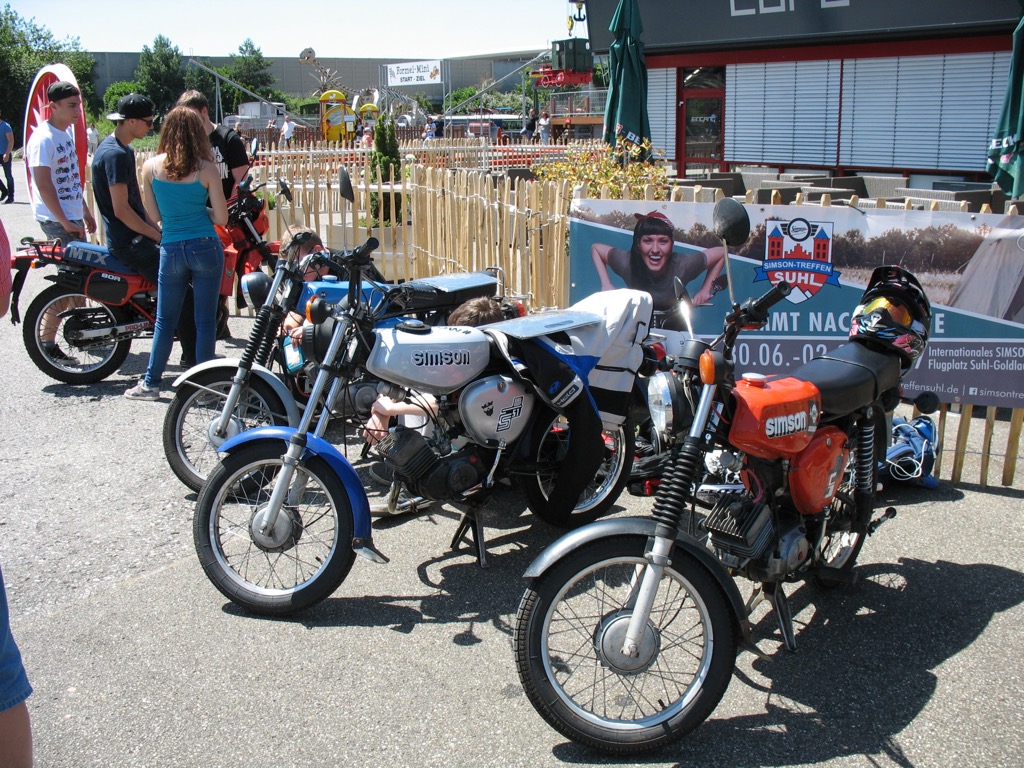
(133, 106)
(62, 89)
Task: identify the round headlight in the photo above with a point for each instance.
(659, 401)
(316, 338)
(256, 288)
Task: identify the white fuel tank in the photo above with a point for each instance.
(430, 359)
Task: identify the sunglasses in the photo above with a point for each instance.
(147, 120)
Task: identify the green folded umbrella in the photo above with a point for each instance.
(625, 114)
(1004, 151)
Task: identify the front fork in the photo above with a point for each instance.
(682, 474)
(297, 443)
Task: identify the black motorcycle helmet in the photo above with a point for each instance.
(894, 314)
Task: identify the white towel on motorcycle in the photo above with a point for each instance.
(601, 358)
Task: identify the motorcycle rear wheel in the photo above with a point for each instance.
(310, 553)
(549, 448)
(568, 634)
(188, 445)
(67, 361)
(841, 545)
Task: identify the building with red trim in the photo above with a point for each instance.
(849, 86)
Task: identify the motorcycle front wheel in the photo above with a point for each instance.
(296, 564)
(550, 448)
(55, 343)
(568, 637)
(190, 441)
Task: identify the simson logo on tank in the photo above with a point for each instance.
(800, 252)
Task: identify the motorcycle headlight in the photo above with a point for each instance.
(665, 402)
(256, 288)
(316, 337)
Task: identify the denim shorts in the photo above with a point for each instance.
(14, 687)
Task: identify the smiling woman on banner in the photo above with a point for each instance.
(651, 263)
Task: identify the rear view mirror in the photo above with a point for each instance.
(731, 222)
(345, 185)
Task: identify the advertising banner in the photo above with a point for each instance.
(414, 73)
(971, 266)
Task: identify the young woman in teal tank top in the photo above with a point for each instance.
(175, 186)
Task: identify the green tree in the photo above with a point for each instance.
(116, 90)
(197, 79)
(26, 47)
(161, 73)
(250, 69)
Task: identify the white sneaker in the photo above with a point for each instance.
(141, 392)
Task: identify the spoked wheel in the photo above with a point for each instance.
(549, 450)
(190, 436)
(292, 565)
(841, 544)
(568, 639)
(61, 332)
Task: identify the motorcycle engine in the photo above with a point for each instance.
(426, 472)
(743, 533)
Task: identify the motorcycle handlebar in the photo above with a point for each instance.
(360, 257)
(758, 310)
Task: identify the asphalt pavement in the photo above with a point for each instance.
(137, 660)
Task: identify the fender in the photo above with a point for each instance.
(317, 446)
(626, 526)
(257, 370)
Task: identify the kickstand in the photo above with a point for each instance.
(471, 527)
(784, 615)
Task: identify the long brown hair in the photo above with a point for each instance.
(184, 141)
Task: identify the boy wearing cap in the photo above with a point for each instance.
(57, 200)
(116, 186)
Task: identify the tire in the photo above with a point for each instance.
(81, 364)
(841, 544)
(188, 445)
(549, 448)
(314, 552)
(570, 623)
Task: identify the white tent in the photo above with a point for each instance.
(993, 281)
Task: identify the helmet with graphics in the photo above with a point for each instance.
(894, 314)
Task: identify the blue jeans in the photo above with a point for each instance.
(199, 261)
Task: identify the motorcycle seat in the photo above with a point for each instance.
(91, 255)
(850, 377)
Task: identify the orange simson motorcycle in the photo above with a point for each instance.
(627, 634)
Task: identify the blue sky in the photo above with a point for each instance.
(414, 29)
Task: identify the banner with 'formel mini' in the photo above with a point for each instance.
(971, 266)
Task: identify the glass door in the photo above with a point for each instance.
(701, 115)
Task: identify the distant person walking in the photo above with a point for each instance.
(529, 126)
(6, 152)
(287, 131)
(176, 185)
(544, 124)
